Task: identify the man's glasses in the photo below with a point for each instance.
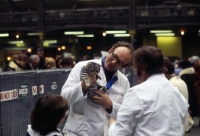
(120, 64)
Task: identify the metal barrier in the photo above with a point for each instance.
(19, 92)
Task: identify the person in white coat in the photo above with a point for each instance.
(89, 118)
(154, 107)
(182, 87)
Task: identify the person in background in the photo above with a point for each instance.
(154, 107)
(50, 63)
(1, 66)
(34, 61)
(196, 65)
(48, 113)
(90, 117)
(58, 61)
(182, 87)
(19, 64)
(65, 63)
(86, 57)
(187, 75)
(40, 54)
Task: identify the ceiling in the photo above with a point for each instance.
(12, 6)
(7, 6)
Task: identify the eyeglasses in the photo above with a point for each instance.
(120, 64)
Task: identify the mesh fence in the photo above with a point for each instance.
(19, 92)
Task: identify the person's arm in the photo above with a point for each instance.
(130, 109)
(72, 89)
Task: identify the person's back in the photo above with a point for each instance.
(154, 107)
(48, 113)
(155, 117)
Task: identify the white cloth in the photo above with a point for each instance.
(31, 132)
(182, 87)
(152, 108)
(87, 118)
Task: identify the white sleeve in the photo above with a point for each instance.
(72, 89)
(128, 113)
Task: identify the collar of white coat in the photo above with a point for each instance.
(34, 133)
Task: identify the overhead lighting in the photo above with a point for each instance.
(199, 31)
(160, 31)
(50, 41)
(89, 47)
(165, 34)
(73, 32)
(4, 35)
(182, 32)
(17, 36)
(116, 32)
(104, 34)
(121, 35)
(86, 35)
(32, 34)
(15, 42)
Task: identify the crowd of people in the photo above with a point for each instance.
(164, 100)
(20, 62)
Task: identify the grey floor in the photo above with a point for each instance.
(195, 130)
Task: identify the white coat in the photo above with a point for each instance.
(31, 132)
(87, 118)
(152, 108)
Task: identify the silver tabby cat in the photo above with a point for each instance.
(94, 68)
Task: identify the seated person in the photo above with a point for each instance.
(47, 114)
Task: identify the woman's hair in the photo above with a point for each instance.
(185, 64)
(169, 66)
(150, 59)
(48, 112)
(51, 62)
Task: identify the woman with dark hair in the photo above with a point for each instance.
(47, 114)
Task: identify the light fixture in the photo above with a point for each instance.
(116, 32)
(89, 47)
(4, 35)
(104, 34)
(8, 58)
(121, 35)
(17, 36)
(86, 35)
(199, 31)
(63, 47)
(59, 49)
(50, 41)
(182, 32)
(32, 34)
(165, 34)
(73, 32)
(15, 42)
(28, 50)
(160, 31)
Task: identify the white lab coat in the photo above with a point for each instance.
(31, 132)
(87, 118)
(152, 108)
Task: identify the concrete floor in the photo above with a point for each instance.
(195, 130)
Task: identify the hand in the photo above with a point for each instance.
(91, 78)
(103, 99)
